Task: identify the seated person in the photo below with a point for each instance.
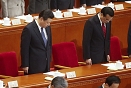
(59, 82)
(119, 0)
(111, 82)
(61, 4)
(129, 40)
(85, 3)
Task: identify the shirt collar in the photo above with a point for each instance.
(38, 25)
(103, 85)
(99, 18)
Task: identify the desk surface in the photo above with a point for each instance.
(82, 73)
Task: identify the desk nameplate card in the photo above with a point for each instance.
(71, 74)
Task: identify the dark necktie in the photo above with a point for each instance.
(43, 36)
(104, 29)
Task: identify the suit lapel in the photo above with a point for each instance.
(36, 29)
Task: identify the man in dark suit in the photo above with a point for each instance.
(36, 44)
(62, 4)
(36, 6)
(111, 82)
(129, 40)
(96, 37)
(91, 2)
(119, 0)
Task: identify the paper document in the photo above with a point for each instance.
(98, 6)
(128, 2)
(23, 17)
(55, 73)
(109, 64)
(74, 10)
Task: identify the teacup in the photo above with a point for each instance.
(29, 18)
(82, 10)
(6, 21)
(119, 65)
(58, 13)
(111, 5)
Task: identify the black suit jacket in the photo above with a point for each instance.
(129, 39)
(95, 46)
(36, 6)
(34, 53)
(91, 2)
(62, 4)
(100, 87)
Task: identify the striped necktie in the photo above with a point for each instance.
(43, 36)
(104, 29)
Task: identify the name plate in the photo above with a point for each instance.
(71, 74)
(119, 7)
(12, 84)
(16, 21)
(67, 14)
(91, 11)
(128, 65)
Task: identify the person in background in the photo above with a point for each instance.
(129, 41)
(111, 82)
(36, 6)
(36, 44)
(12, 8)
(119, 0)
(62, 4)
(59, 82)
(85, 3)
(96, 37)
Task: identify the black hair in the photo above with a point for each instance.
(59, 82)
(45, 14)
(107, 10)
(112, 79)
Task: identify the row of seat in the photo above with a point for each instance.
(64, 56)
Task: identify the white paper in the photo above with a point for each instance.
(48, 78)
(74, 10)
(128, 2)
(55, 73)
(109, 64)
(23, 17)
(98, 6)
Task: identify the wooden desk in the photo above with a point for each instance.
(66, 30)
(86, 77)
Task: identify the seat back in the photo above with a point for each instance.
(65, 54)
(8, 64)
(115, 50)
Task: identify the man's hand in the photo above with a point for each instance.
(129, 56)
(89, 62)
(103, 3)
(108, 58)
(26, 69)
(84, 5)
